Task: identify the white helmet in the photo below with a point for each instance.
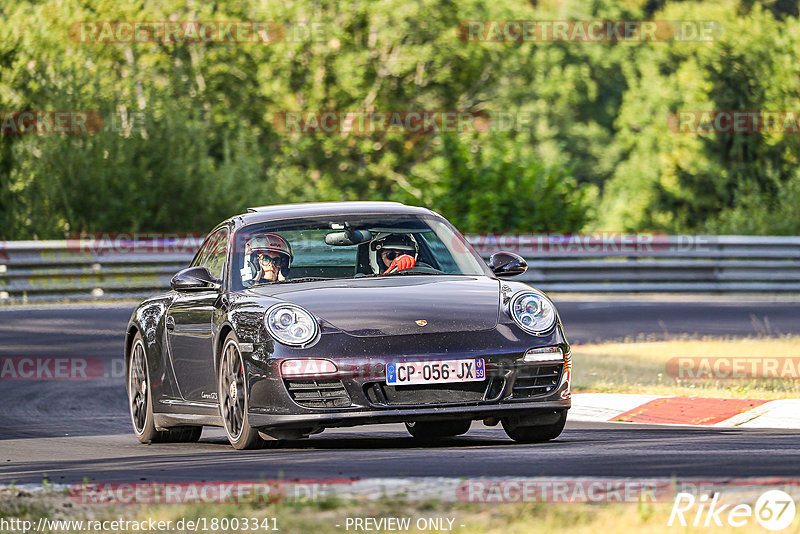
(400, 242)
(269, 243)
(266, 243)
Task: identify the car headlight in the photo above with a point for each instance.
(291, 325)
(533, 312)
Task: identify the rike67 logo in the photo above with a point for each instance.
(774, 510)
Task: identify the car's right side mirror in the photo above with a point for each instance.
(507, 264)
(194, 279)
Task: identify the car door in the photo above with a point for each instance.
(189, 326)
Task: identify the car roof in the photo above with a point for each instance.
(317, 209)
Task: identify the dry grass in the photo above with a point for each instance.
(323, 516)
(641, 368)
(479, 519)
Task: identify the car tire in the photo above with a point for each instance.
(432, 430)
(140, 403)
(534, 433)
(233, 401)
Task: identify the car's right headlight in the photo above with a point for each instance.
(532, 312)
(291, 325)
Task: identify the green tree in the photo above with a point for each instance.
(494, 184)
(685, 182)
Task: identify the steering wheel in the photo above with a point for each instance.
(420, 268)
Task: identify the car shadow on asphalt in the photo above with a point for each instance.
(388, 441)
(487, 437)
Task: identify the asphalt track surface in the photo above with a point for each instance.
(71, 430)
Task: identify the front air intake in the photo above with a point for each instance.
(536, 379)
(318, 393)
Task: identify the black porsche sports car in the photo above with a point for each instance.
(295, 318)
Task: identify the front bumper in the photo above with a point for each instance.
(356, 418)
(358, 394)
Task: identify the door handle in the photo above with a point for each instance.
(170, 323)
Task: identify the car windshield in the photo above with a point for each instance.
(335, 247)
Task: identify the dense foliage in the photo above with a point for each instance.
(190, 138)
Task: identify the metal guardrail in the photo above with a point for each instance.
(655, 263)
(33, 271)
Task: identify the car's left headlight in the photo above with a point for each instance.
(291, 325)
(532, 312)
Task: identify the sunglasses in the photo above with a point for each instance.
(392, 254)
(266, 258)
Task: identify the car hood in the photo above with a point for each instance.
(398, 305)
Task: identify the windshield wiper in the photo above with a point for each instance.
(412, 273)
(292, 281)
(403, 273)
(304, 279)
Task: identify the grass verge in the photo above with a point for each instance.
(642, 368)
(329, 516)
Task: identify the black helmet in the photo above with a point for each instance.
(402, 242)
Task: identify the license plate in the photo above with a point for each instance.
(435, 372)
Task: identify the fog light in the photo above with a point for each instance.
(308, 367)
(546, 354)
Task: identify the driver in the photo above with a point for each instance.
(267, 259)
(395, 252)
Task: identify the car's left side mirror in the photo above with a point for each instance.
(506, 264)
(194, 279)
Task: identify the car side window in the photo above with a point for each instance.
(213, 253)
